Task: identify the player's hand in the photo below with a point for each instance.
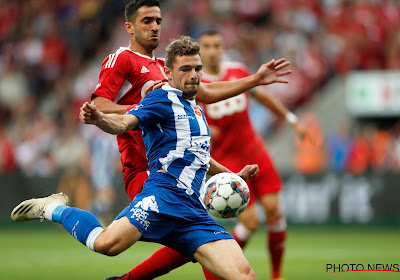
(89, 113)
(302, 132)
(249, 171)
(272, 72)
(153, 86)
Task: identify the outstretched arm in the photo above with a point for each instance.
(249, 171)
(268, 73)
(110, 123)
(280, 110)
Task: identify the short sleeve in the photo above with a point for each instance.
(114, 71)
(154, 108)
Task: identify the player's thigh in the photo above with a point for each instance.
(225, 259)
(249, 218)
(271, 204)
(117, 237)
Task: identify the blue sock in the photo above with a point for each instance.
(81, 224)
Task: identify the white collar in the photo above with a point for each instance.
(168, 87)
(138, 54)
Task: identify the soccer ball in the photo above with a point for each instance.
(225, 195)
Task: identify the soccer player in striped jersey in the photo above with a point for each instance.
(124, 78)
(168, 210)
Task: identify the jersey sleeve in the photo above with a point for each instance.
(153, 108)
(242, 68)
(114, 71)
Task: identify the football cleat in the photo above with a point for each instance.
(122, 277)
(33, 209)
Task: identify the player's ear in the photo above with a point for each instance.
(129, 27)
(167, 72)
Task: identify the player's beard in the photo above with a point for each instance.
(153, 44)
(191, 92)
(146, 42)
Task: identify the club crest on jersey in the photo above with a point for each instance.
(144, 70)
(197, 111)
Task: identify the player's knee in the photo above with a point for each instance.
(251, 224)
(273, 214)
(247, 273)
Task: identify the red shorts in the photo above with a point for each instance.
(134, 179)
(268, 180)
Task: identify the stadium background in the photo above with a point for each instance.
(340, 192)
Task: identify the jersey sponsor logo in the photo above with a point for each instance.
(218, 232)
(181, 117)
(144, 70)
(204, 145)
(227, 107)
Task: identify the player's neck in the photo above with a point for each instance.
(139, 49)
(212, 70)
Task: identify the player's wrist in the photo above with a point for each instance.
(254, 80)
(291, 118)
(100, 119)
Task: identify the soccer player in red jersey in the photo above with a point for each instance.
(231, 130)
(124, 78)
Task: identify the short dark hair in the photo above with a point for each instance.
(132, 7)
(209, 32)
(182, 46)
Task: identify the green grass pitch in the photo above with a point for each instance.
(49, 252)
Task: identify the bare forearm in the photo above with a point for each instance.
(270, 102)
(214, 92)
(108, 107)
(114, 124)
(216, 168)
(279, 109)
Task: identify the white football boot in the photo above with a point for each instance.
(33, 209)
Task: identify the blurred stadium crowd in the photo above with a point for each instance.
(51, 54)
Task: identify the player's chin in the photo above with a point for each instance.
(192, 91)
(153, 43)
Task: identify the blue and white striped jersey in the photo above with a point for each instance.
(176, 136)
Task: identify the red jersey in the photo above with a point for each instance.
(237, 143)
(236, 137)
(123, 78)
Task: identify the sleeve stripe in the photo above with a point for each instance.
(112, 59)
(109, 60)
(115, 59)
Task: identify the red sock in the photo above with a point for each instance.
(241, 234)
(276, 245)
(161, 262)
(241, 243)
